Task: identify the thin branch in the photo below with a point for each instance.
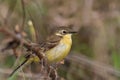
(24, 42)
(24, 14)
(12, 5)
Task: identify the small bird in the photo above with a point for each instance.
(56, 47)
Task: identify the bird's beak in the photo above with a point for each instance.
(73, 32)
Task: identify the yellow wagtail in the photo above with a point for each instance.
(56, 47)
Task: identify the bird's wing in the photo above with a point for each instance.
(51, 42)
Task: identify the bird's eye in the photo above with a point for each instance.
(64, 32)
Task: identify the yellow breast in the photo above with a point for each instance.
(59, 52)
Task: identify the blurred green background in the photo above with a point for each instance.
(95, 53)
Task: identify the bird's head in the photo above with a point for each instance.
(62, 31)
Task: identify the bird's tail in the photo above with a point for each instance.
(26, 61)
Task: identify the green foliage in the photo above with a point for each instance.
(9, 61)
(14, 77)
(116, 59)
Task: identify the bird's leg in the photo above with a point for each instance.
(62, 62)
(42, 65)
(52, 73)
(52, 70)
(56, 65)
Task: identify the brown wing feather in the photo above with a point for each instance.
(51, 42)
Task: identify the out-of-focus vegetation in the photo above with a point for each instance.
(95, 53)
